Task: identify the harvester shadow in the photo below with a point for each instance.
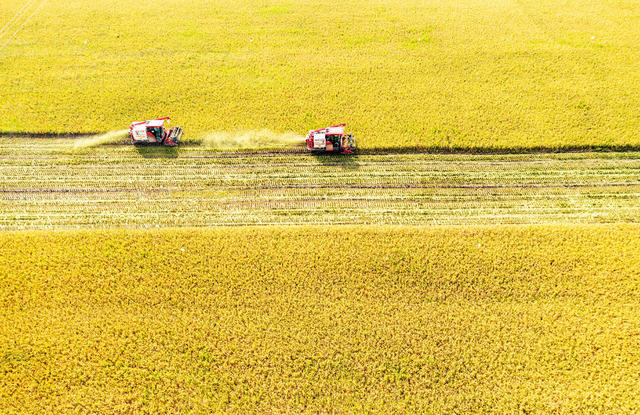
(157, 152)
(346, 162)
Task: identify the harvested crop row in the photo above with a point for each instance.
(50, 186)
(504, 319)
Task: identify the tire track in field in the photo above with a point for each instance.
(390, 187)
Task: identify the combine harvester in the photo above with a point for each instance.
(153, 132)
(331, 140)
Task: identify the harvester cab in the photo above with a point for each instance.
(331, 139)
(154, 132)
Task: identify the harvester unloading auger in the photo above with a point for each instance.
(154, 132)
(331, 139)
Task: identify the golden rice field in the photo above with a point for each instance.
(402, 73)
(540, 319)
(479, 254)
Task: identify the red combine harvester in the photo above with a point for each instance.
(331, 140)
(153, 132)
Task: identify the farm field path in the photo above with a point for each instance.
(50, 184)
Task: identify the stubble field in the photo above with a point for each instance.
(53, 184)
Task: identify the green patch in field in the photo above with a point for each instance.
(192, 33)
(582, 40)
(359, 40)
(416, 38)
(275, 10)
(14, 356)
(583, 105)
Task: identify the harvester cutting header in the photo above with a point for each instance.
(154, 132)
(331, 139)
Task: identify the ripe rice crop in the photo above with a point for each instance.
(402, 73)
(352, 319)
(405, 286)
